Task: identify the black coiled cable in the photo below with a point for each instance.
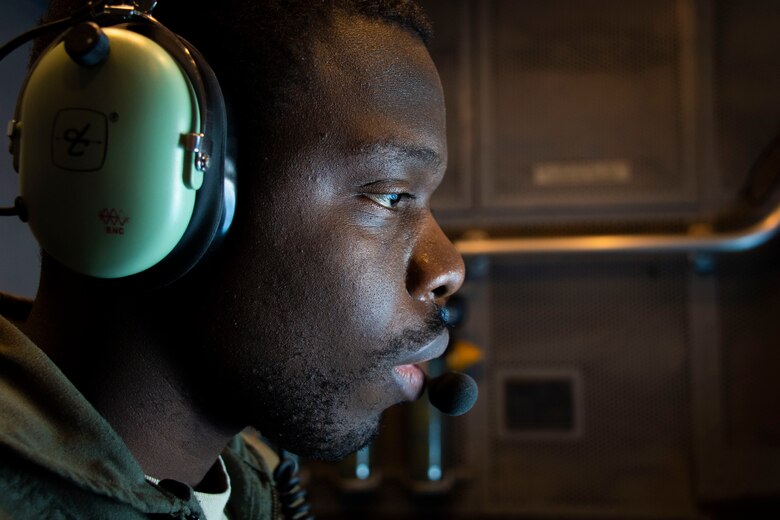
(291, 494)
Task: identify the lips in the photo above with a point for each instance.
(410, 377)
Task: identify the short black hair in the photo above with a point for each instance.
(259, 49)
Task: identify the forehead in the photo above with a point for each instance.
(378, 83)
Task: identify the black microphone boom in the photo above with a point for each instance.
(452, 393)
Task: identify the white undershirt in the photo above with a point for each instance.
(213, 504)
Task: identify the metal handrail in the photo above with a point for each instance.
(697, 239)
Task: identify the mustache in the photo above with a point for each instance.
(412, 340)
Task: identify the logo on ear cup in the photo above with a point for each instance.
(114, 220)
(79, 140)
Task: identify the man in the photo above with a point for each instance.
(306, 321)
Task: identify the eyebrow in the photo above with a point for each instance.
(398, 149)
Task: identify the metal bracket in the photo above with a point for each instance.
(194, 143)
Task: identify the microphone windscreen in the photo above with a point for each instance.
(453, 393)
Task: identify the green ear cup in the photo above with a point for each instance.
(107, 182)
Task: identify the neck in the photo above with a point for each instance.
(126, 365)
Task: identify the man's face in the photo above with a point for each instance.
(334, 272)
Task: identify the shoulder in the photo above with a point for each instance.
(29, 491)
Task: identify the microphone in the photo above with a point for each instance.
(452, 393)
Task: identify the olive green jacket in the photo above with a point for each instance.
(60, 459)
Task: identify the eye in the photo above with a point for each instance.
(388, 200)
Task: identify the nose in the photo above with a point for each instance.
(436, 269)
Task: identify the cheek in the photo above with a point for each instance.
(316, 286)
(376, 296)
(359, 285)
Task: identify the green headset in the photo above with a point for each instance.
(120, 141)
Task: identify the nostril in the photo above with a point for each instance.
(441, 291)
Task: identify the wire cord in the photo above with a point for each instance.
(25, 37)
(291, 494)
